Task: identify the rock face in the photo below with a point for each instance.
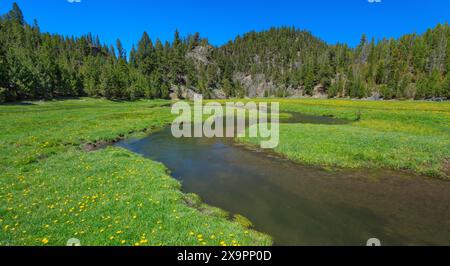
(295, 92)
(178, 93)
(320, 92)
(255, 86)
(218, 94)
(200, 54)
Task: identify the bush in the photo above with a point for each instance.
(386, 92)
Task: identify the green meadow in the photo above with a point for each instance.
(52, 189)
(55, 185)
(401, 135)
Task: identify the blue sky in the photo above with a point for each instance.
(221, 20)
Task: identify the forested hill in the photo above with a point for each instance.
(283, 62)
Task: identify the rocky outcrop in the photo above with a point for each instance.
(320, 92)
(255, 86)
(295, 92)
(376, 96)
(200, 54)
(181, 92)
(218, 94)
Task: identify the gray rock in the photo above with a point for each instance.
(295, 92)
(218, 94)
(320, 92)
(255, 86)
(376, 96)
(200, 54)
(182, 91)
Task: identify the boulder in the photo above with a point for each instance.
(182, 91)
(218, 94)
(320, 92)
(376, 96)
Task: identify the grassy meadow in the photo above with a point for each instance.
(402, 135)
(52, 188)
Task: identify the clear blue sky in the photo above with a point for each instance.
(221, 20)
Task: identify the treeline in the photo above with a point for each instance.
(36, 65)
(414, 66)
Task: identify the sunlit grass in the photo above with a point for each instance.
(392, 134)
(52, 190)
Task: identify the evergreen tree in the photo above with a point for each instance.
(121, 53)
(36, 65)
(16, 14)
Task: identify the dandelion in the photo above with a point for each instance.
(44, 241)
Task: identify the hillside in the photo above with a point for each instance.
(282, 62)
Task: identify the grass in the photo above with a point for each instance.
(52, 190)
(402, 135)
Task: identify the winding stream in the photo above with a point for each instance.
(303, 205)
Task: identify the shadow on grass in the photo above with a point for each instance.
(17, 104)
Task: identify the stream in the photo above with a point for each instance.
(304, 205)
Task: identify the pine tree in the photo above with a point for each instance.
(16, 14)
(121, 53)
(227, 88)
(36, 65)
(145, 58)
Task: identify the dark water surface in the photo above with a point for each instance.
(302, 205)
